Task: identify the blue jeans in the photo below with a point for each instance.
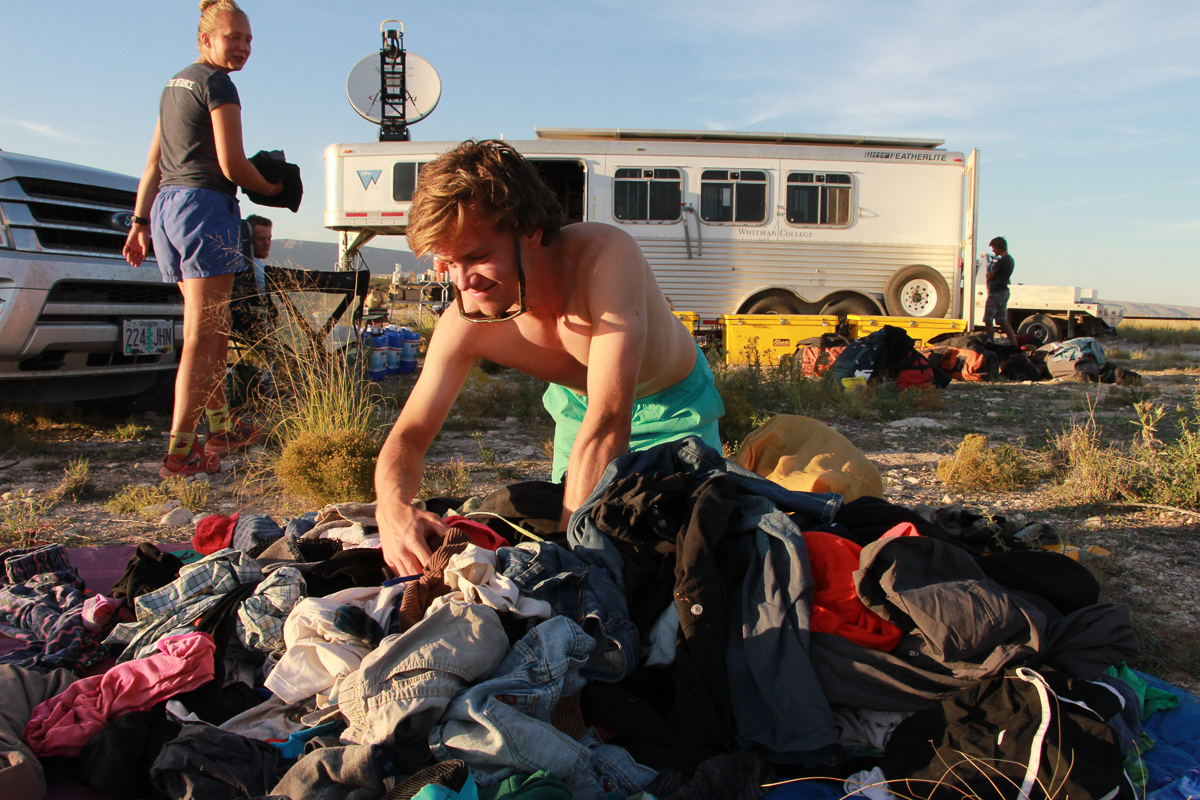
(502, 726)
(580, 592)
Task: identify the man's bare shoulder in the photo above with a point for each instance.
(589, 242)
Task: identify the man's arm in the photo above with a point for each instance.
(406, 532)
(617, 306)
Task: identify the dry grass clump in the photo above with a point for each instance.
(975, 465)
(23, 520)
(1160, 332)
(330, 466)
(76, 483)
(192, 495)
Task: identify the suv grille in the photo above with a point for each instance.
(62, 190)
(115, 293)
(76, 218)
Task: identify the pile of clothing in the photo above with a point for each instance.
(698, 631)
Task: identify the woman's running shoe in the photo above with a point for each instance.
(239, 435)
(194, 462)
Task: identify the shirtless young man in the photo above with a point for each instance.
(577, 307)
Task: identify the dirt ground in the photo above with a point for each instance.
(1154, 566)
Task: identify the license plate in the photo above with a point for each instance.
(144, 337)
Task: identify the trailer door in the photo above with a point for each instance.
(567, 178)
(970, 219)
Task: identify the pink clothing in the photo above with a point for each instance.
(62, 725)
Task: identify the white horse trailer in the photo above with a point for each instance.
(731, 223)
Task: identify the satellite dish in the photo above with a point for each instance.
(421, 83)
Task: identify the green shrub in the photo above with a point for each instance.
(330, 466)
(977, 466)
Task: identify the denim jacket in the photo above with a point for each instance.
(583, 593)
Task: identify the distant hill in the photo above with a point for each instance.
(324, 255)
(1156, 310)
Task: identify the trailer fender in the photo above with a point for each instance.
(844, 303)
(774, 301)
(917, 291)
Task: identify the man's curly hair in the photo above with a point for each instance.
(504, 187)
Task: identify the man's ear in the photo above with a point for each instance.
(534, 238)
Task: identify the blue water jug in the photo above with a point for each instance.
(377, 343)
(408, 356)
(395, 349)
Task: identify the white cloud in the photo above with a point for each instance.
(43, 130)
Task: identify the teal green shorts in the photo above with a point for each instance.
(689, 408)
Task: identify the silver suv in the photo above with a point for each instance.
(76, 321)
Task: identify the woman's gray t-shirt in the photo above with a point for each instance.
(189, 148)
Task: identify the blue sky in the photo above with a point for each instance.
(1085, 113)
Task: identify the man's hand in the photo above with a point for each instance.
(409, 536)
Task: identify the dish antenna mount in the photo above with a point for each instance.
(393, 88)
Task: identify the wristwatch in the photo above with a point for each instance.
(136, 220)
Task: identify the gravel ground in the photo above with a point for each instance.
(1154, 566)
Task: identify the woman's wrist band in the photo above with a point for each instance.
(140, 220)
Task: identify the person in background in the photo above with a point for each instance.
(999, 273)
(260, 249)
(187, 201)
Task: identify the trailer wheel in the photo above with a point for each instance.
(774, 303)
(917, 291)
(1043, 327)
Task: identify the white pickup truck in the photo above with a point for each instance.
(1055, 313)
(76, 321)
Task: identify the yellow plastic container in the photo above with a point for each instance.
(688, 318)
(922, 330)
(768, 338)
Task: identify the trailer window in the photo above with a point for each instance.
(647, 195)
(738, 196)
(404, 180)
(819, 198)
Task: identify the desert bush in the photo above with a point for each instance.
(753, 393)
(1089, 469)
(17, 436)
(975, 465)
(451, 479)
(1170, 459)
(329, 466)
(510, 394)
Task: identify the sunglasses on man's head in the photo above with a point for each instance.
(503, 316)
